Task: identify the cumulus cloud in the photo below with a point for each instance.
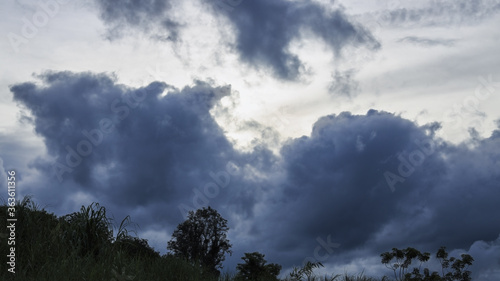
(486, 256)
(135, 147)
(370, 182)
(336, 190)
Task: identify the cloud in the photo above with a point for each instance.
(336, 191)
(486, 256)
(327, 196)
(3, 176)
(427, 42)
(149, 16)
(264, 30)
(135, 149)
(441, 13)
(343, 84)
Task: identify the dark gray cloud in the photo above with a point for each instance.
(149, 16)
(263, 29)
(428, 42)
(336, 190)
(134, 147)
(369, 182)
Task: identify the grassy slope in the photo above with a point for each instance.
(80, 246)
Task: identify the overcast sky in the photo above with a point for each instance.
(322, 130)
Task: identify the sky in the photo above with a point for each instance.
(329, 131)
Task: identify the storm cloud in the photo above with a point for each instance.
(338, 190)
(372, 181)
(154, 145)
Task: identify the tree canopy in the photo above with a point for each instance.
(399, 261)
(202, 239)
(255, 268)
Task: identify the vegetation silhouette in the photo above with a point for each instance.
(255, 268)
(86, 245)
(404, 258)
(202, 239)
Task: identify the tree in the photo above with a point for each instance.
(255, 268)
(404, 258)
(459, 266)
(202, 239)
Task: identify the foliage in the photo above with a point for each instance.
(45, 249)
(202, 239)
(404, 258)
(136, 247)
(306, 273)
(359, 277)
(88, 230)
(459, 266)
(255, 268)
(81, 246)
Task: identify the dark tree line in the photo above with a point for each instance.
(400, 261)
(202, 240)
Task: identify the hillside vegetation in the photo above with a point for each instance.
(88, 245)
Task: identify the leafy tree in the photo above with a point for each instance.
(202, 239)
(255, 268)
(404, 258)
(459, 266)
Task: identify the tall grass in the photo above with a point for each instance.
(82, 246)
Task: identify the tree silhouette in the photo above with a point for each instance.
(202, 239)
(399, 261)
(255, 268)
